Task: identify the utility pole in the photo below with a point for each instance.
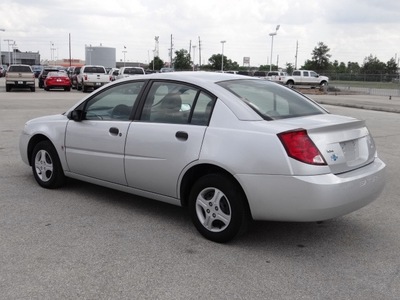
(1, 58)
(297, 49)
(172, 47)
(199, 52)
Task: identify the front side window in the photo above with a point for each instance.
(115, 103)
(270, 100)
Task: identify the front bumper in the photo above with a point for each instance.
(312, 198)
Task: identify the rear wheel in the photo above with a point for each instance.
(290, 83)
(46, 166)
(8, 87)
(218, 208)
(32, 88)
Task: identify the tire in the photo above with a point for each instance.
(8, 87)
(67, 89)
(32, 88)
(46, 88)
(290, 84)
(218, 208)
(46, 166)
(84, 88)
(78, 87)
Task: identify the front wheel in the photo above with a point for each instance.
(46, 166)
(218, 208)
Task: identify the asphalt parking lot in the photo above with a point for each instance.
(89, 242)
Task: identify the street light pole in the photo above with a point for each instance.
(222, 58)
(272, 44)
(1, 57)
(9, 53)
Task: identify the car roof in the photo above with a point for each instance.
(196, 77)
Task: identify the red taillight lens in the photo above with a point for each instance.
(299, 146)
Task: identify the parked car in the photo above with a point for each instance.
(166, 70)
(36, 70)
(3, 70)
(43, 74)
(231, 148)
(260, 74)
(57, 80)
(129, 71)
(74, 77)
(113, 72)
(20, 76)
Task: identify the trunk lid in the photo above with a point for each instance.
(344, 142)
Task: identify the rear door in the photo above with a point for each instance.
(167, 137)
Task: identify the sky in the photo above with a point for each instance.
(352, 29)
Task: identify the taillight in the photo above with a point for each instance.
(85, 76)
(299, 146)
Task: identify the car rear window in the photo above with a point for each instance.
(133, 71)
(95, 70)
(270, 100)
(20, 69)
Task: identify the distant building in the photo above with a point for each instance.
(99, 55)
(18, 57)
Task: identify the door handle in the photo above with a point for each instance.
(181, 135)
(114, 130)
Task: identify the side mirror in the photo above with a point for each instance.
(75, 115)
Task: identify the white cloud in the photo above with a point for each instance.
(352, 29)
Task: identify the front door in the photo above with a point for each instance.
(95, 146)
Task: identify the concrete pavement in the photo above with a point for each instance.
(371, 102)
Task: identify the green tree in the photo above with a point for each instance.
(372, 65)
(353, 67)
(215, 62)
(289, 68)
(182, 60)
(391, 67)
(319, 58)
(158, 64)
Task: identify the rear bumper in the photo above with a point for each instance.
(21, 83)
(312, 198)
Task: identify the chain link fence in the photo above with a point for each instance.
(370, 84)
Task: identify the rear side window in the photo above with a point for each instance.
(170, 102)
(272, 101)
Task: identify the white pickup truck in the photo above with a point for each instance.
(129, 71)
(92, 77)
(306, 77)
(277, 76)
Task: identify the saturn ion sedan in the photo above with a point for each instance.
(230, 148)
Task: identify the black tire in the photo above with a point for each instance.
(32, 88)
(218, 208)
(84, 88)
(78, 86)
(46, 166)
(8, 87)
(290, 83)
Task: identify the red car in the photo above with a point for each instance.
(57, 80)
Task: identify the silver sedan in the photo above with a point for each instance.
(230, 147)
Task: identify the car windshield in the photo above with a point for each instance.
(270, 100)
